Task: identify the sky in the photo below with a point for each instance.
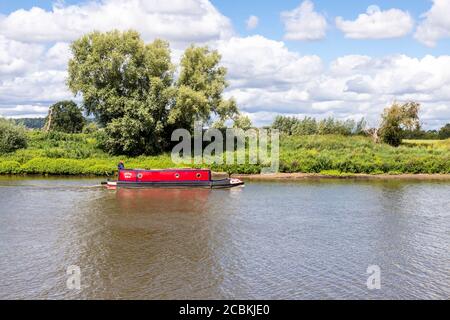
(346, 59)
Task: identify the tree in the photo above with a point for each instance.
(200, 86)
(129, 86)
(444, 132)
(361, 126)
(12, 136)
(374, 133)
(307, 126)
(126, 84)
(242, 122)
(396, 119)
(65, 116)
(284, 124)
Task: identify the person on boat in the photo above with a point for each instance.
(121, 166)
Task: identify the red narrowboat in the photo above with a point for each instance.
(171, 178)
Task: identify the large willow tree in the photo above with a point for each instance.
(130, 88)
(199, 89)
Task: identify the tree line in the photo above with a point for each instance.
(399, 121)
(310, 126)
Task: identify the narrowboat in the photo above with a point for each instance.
(170, 178)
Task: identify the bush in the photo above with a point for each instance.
(100, 170)
(12, 137)
(9, 167)
(53, 166)
(91, 127)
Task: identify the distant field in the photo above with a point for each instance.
(417, 142)
(420, 142)
(78, 154)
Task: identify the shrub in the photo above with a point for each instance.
(9, 167)
(91, 127)
(53, 166)
(12, 137)
(100, 170)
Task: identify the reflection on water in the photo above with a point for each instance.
(312, 239)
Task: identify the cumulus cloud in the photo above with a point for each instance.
(34, 44)
(377, 24)
(252, 22)
(261, 62)
(24, 111)
(31, 74)
(58, 55)
(39, 87)
(266, 78)
(435, 24)
(17, 57)
(303, 23)
(181, 21)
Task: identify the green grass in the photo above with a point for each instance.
(361, 155)
(418, 142)
(333, 155)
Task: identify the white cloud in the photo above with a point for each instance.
(377, 24)
(261, 62)
(181, 21)
(58, 55)
(34, 44)
(24, 111)
(252, 22)
(30, 74)
(40, 87)
(435, 25)
(17, 57)
(303, 23)
(266, 78)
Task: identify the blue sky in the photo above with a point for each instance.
(335, 44)
(298, 58)
(271, 26)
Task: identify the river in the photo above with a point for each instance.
(269, 240)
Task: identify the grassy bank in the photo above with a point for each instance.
(333, 155)
(338, 154)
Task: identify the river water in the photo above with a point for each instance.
(270, 240)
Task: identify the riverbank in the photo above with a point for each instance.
(300, 156)
(280, 176)
(317, 176)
